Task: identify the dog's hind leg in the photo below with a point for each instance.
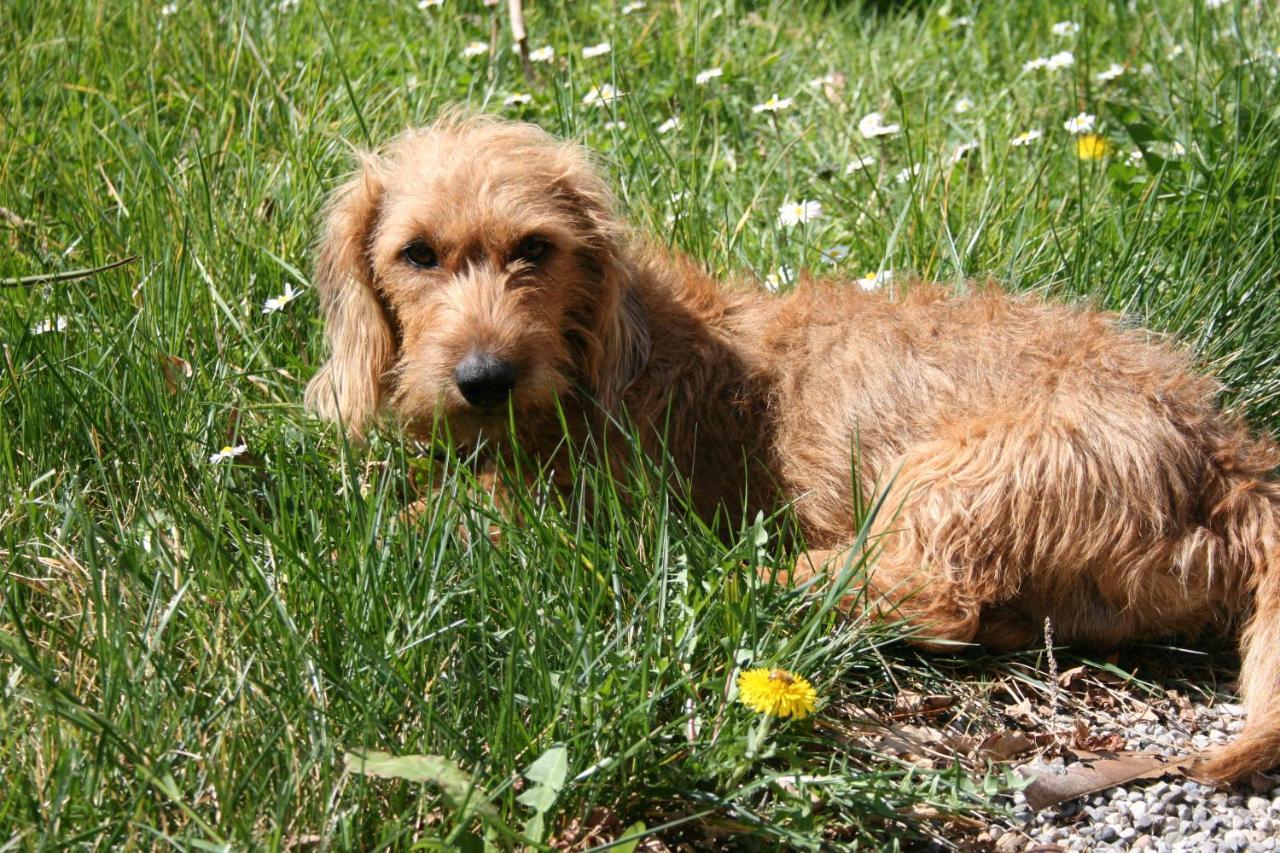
(929, 561)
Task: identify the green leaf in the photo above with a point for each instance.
(636, 829)
(550, 769)
(540, 798)
(451, 779)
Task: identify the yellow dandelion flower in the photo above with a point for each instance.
(777, 692)
(1091, 146)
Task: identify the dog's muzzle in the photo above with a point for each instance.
(485, 380)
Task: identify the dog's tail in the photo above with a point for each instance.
(1253, 535)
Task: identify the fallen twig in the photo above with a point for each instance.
(69, 275)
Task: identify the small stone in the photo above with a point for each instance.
(1127, 832)
(1257, 804)
(1144, 823)
(995, 831)
(1108, 833)
(1138, 809)
(1235, 840)
(1010, 842)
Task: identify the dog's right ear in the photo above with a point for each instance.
(349, 388)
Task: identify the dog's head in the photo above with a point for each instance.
(468, 267)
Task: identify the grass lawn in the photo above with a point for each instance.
(188, 648)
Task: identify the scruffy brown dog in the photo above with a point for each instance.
(1045, 461)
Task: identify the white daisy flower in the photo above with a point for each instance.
(615, 125)
(1146, 69)
(1215, 4)
(1065, 28)
(287, 5)
(1082, 123)
(834, 254)
(169, 9)
(793, 213)
(772, 105)
(279, 303)
(227, 453)
(669, 125)
(962, 149)
(702, 78)
(1134, 157)
(872, 125)
(475, 48)
(517, 99)
(602, 94)
(492, 3)
(1175, 150)
(874, 280)
(774, 280)
(57, 324)
(1026, 138)
(1062, 59)
(963, 105)
(824, 80)
(592, 51)
(907, 173)
(429, 4)
(1176, 51)
(857, 164)
(632, 7)
(1112, 72)
(961, 21)
(1035, 64)
(539, 54)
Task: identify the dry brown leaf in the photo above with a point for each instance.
(1021, 711)
(1071, 676)
(1097, 772)
(176, 372)
(1002, 746)
(908, 703)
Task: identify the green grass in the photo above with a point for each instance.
(188, 649)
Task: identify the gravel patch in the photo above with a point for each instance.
(1160, 815)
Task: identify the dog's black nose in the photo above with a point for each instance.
(485, 380)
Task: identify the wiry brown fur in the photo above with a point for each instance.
(1045, 461)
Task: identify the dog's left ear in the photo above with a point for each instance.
(612, 324)
(349, 387)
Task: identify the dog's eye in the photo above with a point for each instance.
(420, 255)
(531, 249)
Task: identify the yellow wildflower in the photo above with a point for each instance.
(1091, 146)
(777, 692)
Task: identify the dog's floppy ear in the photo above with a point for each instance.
(614, 327)
(349, 387)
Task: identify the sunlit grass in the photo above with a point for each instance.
(189, 647)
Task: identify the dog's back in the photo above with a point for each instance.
(1046, 463)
